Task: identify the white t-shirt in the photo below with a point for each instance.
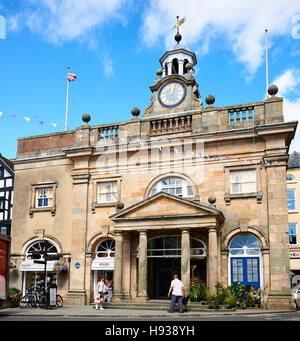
(177, 287)
(102, 287)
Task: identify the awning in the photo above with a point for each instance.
(30, 266)
(103, 263)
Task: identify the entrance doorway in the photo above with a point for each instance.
(161, 271)
(164, 259)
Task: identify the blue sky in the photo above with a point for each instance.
(114, 46)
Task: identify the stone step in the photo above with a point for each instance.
(159, 305)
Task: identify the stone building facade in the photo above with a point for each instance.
(185, 187)
(293, 197)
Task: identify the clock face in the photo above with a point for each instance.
(172, 94)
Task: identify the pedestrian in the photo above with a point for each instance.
(101, 290)
(177, 291)
(110, 291)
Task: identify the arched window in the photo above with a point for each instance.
(184, 65)
(175, 67)
(290, 178)
(166, 69)
(245, 245)
(39, 247)
(173, 185)
(106, 248)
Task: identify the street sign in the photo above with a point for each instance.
(53, 257)
(37, 261)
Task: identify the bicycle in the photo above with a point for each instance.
(44, 301)
(59, 301)
(28, 300)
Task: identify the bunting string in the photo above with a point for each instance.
(29, 119)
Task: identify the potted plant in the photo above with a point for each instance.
(14, 297)
(60, 266)
(231, 301)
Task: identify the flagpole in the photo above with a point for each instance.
(267, 66)
(67, 101)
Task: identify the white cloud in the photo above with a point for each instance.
(288, 83)
(242, 24)
(60, 21)
(291, 110)
(107, 64)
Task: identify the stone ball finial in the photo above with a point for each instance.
(210, 99)
(159, 72)
(273, 89)
(120, 205)
(86, 118)
(212, 199)
(135, 112)
(188, 67)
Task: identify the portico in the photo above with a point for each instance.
(165, 214)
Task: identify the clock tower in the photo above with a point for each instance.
(175, 88)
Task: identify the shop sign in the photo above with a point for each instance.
(103, 263)
(30, 266)
(294, 254)
(77, 265)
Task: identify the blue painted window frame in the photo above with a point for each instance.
(245, 271)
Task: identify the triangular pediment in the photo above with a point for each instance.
(164, 205)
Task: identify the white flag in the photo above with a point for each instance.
(1, 114)
(27, 119)
(54, 124)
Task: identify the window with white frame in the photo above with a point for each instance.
(44, 197)
(173, 185)
(290, 178)
(243, 181)
(293, 237)
(107, 192)
(291, 199)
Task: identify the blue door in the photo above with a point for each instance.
(245, 270)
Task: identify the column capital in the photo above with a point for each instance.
(82, 178)
(212, 229)
(185, 230)
(144, 231)
(119, 234)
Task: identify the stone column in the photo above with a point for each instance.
(185, 258)
(180, 67)
(126, 280)
(224, 268)
(280, 296)
(169, 68)
(77, 292)
(118, 270)
(212, 259)
(142, 277)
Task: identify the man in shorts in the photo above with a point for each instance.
(176, 291)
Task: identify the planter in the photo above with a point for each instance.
(12, 304)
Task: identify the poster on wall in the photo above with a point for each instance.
(3, 268)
